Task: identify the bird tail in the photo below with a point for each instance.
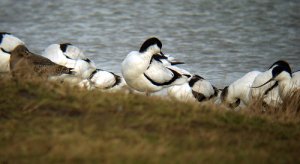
(176, 62)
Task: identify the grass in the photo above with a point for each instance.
(44, 122)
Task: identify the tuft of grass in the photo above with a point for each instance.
(288, 111)
(45, 122)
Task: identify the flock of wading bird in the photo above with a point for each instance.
(147, 70)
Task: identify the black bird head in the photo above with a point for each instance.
(149, 43)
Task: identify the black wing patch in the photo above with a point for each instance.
(93, 73)
(177, 63)
(224, 93)
(216, 91)
(176, 76)
(194, 79)
(87, 60)
(118, 80)
(199, 96)
(158, 58)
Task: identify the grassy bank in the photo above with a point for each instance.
(44, 122)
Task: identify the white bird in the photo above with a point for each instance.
(88, 75)
(145, 72)
(4, 61)
(239, 90)
(287, 82)
(196, 89)
(73, 52)
(72, 57)
(8, 43)
(104, 80)
(296, 77)
(270, 91)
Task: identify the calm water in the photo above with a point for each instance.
(219, 40)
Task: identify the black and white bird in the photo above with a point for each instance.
(103, 80)
(8, 43)
(287, 82)
(4, 61)
(239, 90)
(88, 76)
(23, 63)
(196, 89)
(70, 56)
(146, 71)
(269, 92)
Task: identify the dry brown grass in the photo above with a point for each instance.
(45, 122)
(288, 111)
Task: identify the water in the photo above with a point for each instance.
(219, 40)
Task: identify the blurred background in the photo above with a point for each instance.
(219, 40)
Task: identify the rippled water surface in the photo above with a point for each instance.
(219, 40)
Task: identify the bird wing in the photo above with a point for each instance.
(104, 79)
(74, 52)
(296, 79)
(40, 60)
(45, 65)
(203, 86)
(159, 75)
(55, 54)
(166, 60)
(172, 60)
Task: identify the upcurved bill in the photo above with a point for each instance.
(263, 83)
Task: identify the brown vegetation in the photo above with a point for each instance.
(42, 122)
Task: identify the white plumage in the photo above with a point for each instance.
(145, 73)
(4, 62)
(103, 80)
(8, 43)
(269, 93)
(73, 52)
(282, 74)
(239, 90)
(287, 81)
(71, 57)
(296, 78)
(199, 91)
(87, 75)
(195, 89)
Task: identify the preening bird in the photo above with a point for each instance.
(195, 89)
(269, 92)
(239, 90)
(146, 71)
(287, 82)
